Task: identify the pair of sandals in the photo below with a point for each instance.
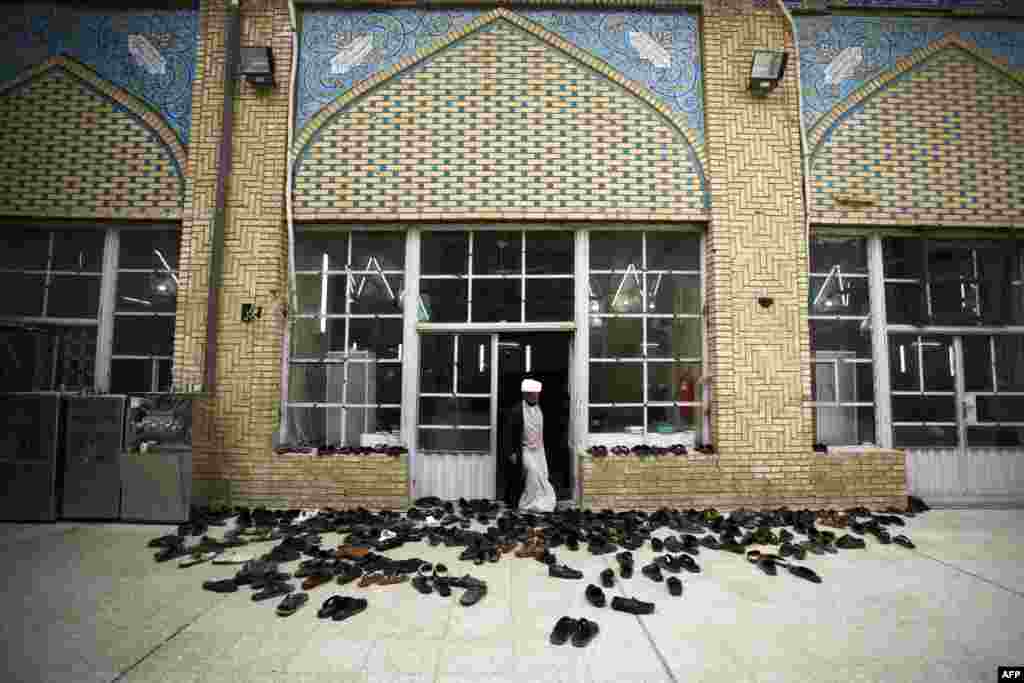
(429, 577)
(581, 631)
(381, 578)
(341, 607)
(767, 562)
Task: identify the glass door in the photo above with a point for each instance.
(456, 396)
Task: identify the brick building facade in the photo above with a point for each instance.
(427, 196)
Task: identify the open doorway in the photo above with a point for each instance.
(544, 356)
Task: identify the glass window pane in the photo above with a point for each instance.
(549, 300)
(616, 337)
(444, 253)
(137, 249)
(135, 293)
(829, 296)
(389, 420)
(939, 364)
(674, 337)
(680, 421)
(445, 301)
(923, 409)
(30, 294)
(864, 382)
(950, 260)
(911, 437)
(143, 335)
(904, 304)
(849, 253)
(1010, 362)
(335, 336)
(130, 375)
(311, 246)
(604, 420)
(376, 294)
(473, 411)
(673, 382)
(549, 252)
(389, 383)
(308, 426)
(903, 363)
(998, 437)
(902, 257)
(387, 248)
(995, 272)
(955, 302)
(844, 426)
(77, 355)
(455, 440)
(378, 336)
(616, 383)
(618, 293)
(497, 252)
(474, 364)
(307, 341)
(824, 382)
(437, 411)
(79, 250)
(307, 382)
(307, 291)
(841, 335)
(436, 360)
(615, 250)
(25, 249)
(675, 294)
(335, 294)
(673, 251)
(977, 363)
(1000, 408)
(496, 301)
(164, 374)
(74, 297)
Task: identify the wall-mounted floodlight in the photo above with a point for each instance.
(766, 70)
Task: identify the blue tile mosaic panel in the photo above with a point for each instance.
(149, 53)
(341, 48)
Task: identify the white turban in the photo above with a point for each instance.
(531, 386)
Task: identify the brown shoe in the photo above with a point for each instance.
(315, 580)
(506, 548)
(351, 552)
(370, 579)
(391, 580)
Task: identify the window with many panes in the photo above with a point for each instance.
(841, 364)
(455, 393)
(496, 276)
(646, 334)
(69, 288)
(345, 372)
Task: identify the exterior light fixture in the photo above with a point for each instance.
(766, 70)
(257, 65)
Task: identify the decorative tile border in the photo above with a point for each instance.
(121, 98)
(821, 131)
(308, 133)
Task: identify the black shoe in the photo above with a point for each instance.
(560, 571)
(653, 572)
(348, 574)
(222, 586)
(547, 558)
(787, 549)
(710, 542)
(673, 545)
(595, 596)
(601, 547)
(291, 604)
(349, 607)
(669, 563)
(273, 590)
(586, 631)
(657, 545)
(804, 573)
(848, 542)
(903, 541)
(767, 566)
(632, 606)
(423, 585)
(564, 629)
(687, 563)
(625, 559)
(608, 578)
(675, 586)
(474, 593)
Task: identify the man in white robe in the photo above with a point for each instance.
(538, 493)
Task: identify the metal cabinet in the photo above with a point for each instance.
(157, 479)
(29, 437)
(94, 435)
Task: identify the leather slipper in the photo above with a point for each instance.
(675, 586)
(221, 586)
(349, 608)
(595, 596)
(632, 606)
(767, 566)
(687, 563)
(903, 541)
(564, 629)
(608, 578)
(273, 590)
(586, 631)
(291, 604)
(423, 585)
(330, 606)
(804, 573)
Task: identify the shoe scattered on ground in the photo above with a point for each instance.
(233, 558)
(608, 578)
(197, 558)
(586, 631)
(561, 571)
(291, 604)
(349, 607)
(903, 541)
(848, 542)
(657, 545)
(804, 573)
(273, 590)
(595, 596)
(423, 585)
(632, 606)
(675, 586)
(565, 628)
(625, 559)
(653, 572)
(221, 586)
(688, 563)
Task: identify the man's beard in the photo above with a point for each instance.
(532, 403)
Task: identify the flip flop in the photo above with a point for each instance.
(473, 594)
(273, 590)
(349, 608)
(804, 573)
(330, 606)
(291, 604)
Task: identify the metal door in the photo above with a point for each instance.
(92, 472)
